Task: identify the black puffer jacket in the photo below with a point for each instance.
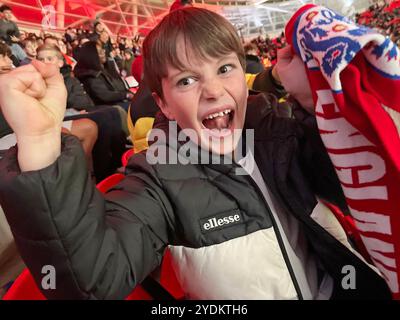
(5, 129)
(102, 247)
(101, 85)
(77, 97)
(253, 64)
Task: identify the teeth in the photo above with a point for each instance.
(219, 114)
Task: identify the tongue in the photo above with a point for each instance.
(217, 123)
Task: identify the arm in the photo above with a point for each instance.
(16, 31)
(99, 90)
(77, 97)
(33, 99)
(100, 248)
(266, 81)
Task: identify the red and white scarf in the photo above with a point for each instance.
(354, 74)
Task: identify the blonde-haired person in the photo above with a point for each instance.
(231, 236)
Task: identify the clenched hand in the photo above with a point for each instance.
(33, 101)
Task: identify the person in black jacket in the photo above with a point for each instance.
(253, 63)
(238, 229)
(102, 86)
(9, 32)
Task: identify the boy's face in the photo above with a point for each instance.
(7, 14)
(208, 96)
(5, 64)
(102, 53)
(128, 56)
(50, 57)
(99, 28)
(104, 37)
(30, 49)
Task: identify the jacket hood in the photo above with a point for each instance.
(88, 59)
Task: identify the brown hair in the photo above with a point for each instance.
(250, 47)
(31, 40)
(207, 33)
(50, 47)
(5, 50)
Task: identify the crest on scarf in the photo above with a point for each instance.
(329, 42)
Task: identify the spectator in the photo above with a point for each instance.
(51, 40)
(98, 29)
(30, 47)
(116, 55)
(5, 67)
(384, 18)
(82, 40)
(22, 36)
(127, 62)
(102, 86)
(253, 64)
(121, 44)
(70, 35)
(105, 42)
(9, 32)
(77, 98)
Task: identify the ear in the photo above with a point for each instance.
(165, 109)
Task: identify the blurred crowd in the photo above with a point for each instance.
(383, 17)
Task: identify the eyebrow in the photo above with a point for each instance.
(192, 71)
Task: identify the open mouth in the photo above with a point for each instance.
(219, 120)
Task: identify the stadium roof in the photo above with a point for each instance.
(129, 17)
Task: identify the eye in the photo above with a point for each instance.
(225, 68)
(185, 82)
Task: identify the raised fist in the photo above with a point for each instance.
(33, 99)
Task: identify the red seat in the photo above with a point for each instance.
(24, 288)
(126, 156)
(109, 182)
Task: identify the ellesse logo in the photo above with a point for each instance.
(220, 221)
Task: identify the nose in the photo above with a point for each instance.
(212, 88)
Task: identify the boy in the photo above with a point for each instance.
(30, 47)
(231, 236)
(9, 32)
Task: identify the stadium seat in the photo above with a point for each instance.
(24, 288)
(109, 182)
(125, 157)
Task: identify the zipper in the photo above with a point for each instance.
(280, 241)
